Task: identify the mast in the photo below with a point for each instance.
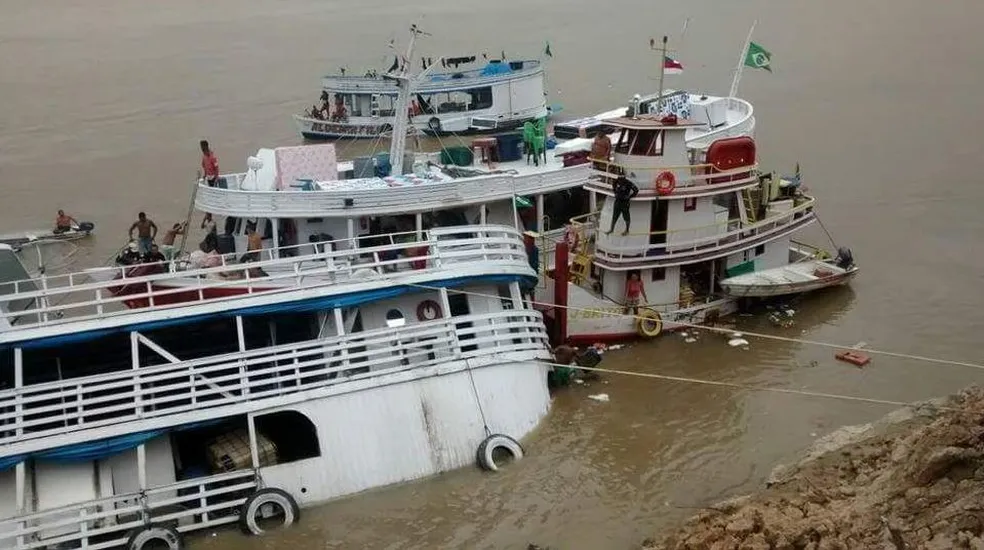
(662, 73)
(402, 119)
(741, 61)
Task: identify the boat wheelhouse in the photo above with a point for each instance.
(129, 427)
(718, 117)
(496, 96)
(701, 215)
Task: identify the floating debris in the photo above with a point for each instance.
(602, 397)
(690, 340)
(735, 342)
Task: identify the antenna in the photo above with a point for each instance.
(402, 115)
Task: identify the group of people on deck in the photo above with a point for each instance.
(326, 112)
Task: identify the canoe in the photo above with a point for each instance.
(18, 240)
(794, 278)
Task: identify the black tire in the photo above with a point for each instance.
(276, 497)
(141, 537)
(487, 449)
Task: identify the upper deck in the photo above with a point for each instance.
(491, 73)
(75, 302)
(436, 189)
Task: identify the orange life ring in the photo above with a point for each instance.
(665, 183)
(428, 310)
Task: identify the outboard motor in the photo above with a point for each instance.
(844, 259)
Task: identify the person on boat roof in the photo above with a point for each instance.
(601, 150)
(624, 190)
(210, 164)
(129, 255)
(63, 222)
(146, 232)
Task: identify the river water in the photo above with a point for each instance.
(102, 104)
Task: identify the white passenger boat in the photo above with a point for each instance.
(131, 427)
(457, 95)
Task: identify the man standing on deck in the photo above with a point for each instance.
(210, 164)
(624, 190)
(146, 232)
(169, 236)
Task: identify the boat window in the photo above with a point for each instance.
(211, 449)
(481, 98)
(292, 434)
(759, 250)
(659, 274)
(647, 143)
(690, 204)
(6, 368)
(458, 304)
(395, 319)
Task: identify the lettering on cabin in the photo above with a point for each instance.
(595, 312)
(348, 129)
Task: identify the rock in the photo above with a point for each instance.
(976, 543)
(740, 527)
(939, 462)
(755, 542)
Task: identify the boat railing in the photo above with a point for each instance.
(59, 298)
(704, 178)
(354, 202)
(109, 522)
(699, 239)
(197, 388)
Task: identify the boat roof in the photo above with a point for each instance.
(493, 71)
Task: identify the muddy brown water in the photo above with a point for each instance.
(103, 103)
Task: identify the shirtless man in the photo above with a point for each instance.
(601, 151)
(167, 243)
(146, 232)
(254, 243)
(63, 222)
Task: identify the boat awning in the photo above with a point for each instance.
(99, 449)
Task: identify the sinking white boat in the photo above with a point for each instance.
(794, 278)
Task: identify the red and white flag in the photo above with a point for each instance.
(671, 66)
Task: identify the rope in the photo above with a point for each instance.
(481, 409)
(760, 335)
(750, 387)
(819, 221)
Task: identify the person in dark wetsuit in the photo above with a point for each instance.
(625, 190)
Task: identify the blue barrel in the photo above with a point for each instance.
(510, 147)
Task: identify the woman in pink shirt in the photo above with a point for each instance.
(634, 289)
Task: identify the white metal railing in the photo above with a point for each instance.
(695, 181)
(436, 82)
(74, 296)
(382, 201)
(746, 232)
(108, 522)
(198, 385)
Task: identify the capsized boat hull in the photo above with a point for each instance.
(794, 278)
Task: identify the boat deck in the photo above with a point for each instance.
(98, 295)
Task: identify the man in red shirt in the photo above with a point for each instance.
(210, 164)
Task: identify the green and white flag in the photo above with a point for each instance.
(758, 57)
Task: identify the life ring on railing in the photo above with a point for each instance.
(486, 450)
(261, 502)
(152, 536)
(650, 324)
(428, 310)
(665, 183)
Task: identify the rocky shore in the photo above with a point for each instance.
(913, 480)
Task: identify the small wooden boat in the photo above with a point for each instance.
(790, 279)
(18, 240)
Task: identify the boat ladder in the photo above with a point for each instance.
(746, 196)
(374, 105)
